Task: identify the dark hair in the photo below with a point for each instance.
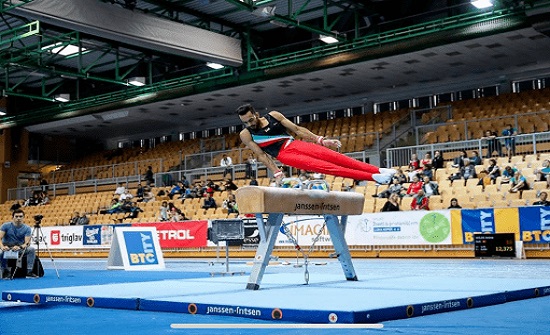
(17, 211)
(454, 199)
(243, 109)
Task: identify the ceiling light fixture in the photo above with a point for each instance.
(64, 97)
(328, 39)
(136, 81)
(215, 66)
(480, 4)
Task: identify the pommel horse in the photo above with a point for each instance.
(276, 202)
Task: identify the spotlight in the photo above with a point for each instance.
(136, 81)
(215, 66)
(480, 4)
(64, 97)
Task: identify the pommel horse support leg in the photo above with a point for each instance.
(279, 201)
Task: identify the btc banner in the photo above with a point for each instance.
(398, 228)
(187, 234)
(477, 221)
(535, 224)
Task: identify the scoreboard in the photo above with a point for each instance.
(495, 245)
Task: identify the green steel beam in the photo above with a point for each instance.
(130, 96)
(10, 36)
(375, 40)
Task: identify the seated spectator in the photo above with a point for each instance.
(394, 188)
(507, 174)
(133, 211)
(491, 173)
(466, 172)
(45, 199)
(414, 187)
(126, 195)
(176, 190)
(140, 191)
(74, 220)
(458, 162)
(230, 205)
(430, 187)
(400, 176)
(426, 160)
(304, 175)
(392, 205)
(543, 173)
(185, 182)
(542, 200)
(414, 166)
(119, 189)
(115, 207)
(212, 185)
(174, 215)
(229, 185)
(454, 204)
(420, 202)
(163, 212)
(34, 200)
(518, 183)
(438, 161)
(475, 159)
(83, 220)
(148, 195)
(427, 172)
(191, 193)
(209, 202)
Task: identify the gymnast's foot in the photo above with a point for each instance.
(388, 171)
(382, 178)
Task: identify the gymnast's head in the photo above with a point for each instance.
(248, 115)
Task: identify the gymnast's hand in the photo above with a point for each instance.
(329, 142)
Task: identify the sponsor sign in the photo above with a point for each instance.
(397, 228)
(187, 234)
(135, 249)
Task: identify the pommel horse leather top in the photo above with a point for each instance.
(261, 199)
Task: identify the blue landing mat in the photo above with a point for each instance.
(328, 298)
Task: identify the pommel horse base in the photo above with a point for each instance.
(279, 201)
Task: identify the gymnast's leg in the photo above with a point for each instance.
(313, 157)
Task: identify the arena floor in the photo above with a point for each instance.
(405, 296)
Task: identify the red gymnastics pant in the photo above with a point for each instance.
(317, 158)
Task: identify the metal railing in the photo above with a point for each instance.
(524, 144)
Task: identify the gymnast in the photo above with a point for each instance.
(269, 137)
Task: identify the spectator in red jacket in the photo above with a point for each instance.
(420, 201)
(415, 186)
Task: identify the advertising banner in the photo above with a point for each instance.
(187, 234)
(397, 228)
(476, 221)
(534, 224)
(304, 229)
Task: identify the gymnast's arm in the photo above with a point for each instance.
(246, 138)
(304, 133)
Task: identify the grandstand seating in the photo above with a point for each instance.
(357, 134)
